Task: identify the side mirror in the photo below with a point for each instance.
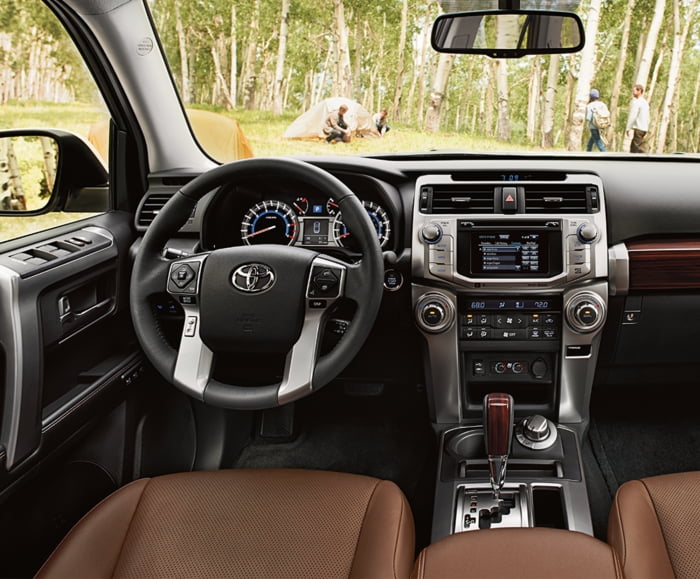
(508, 33)
(49, 170)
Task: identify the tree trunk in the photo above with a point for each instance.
(619, 72)
(398, 81)
(507, 29)
(680, 33)
(650, 44)
(184, 56)
(281, 56)
(550, 101)
(233, 76)
(343, 77)
(533, 98)
(17, 197)
(437, 92)
(49, 153)
(586, 72)
(248, 76)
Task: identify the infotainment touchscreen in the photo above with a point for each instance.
(499, 250)
(509, 252)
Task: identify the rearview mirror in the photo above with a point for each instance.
(508, 33)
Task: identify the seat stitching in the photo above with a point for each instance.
(397, 534)
(364, 518)
(661, 527)
(621, 527)
(128, 528)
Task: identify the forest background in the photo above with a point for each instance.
(266, 60)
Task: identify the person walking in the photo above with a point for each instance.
(638, 122)
(598, 118)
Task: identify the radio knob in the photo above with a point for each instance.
(431, 233)
(587, 233)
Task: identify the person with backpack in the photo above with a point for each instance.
(598, 117)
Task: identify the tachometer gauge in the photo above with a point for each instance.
(377, 215)
(270, 222)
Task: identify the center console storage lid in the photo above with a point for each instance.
(526, 553)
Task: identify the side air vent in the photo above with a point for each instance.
(150, 207)
(561, 198)
(457, 199)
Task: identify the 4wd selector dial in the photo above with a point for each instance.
(585, 312)
(434, 312)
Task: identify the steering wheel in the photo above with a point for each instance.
(258, 298)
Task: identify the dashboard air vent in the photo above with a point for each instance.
(150, 207)
(561, 199)
(458, 199)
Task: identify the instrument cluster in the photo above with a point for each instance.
(307, 221)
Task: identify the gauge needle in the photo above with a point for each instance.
(259, 232)
(344, 235)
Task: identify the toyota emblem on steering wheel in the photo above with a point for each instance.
(253, 278)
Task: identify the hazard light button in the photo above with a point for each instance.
(509, 199)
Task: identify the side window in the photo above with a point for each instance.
(43, 84)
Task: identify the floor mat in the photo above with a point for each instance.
(386, 435)
(645, 431)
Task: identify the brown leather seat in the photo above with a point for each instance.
(654, 526)
(531, 553)
(243, 523)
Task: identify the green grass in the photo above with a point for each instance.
(263, 130)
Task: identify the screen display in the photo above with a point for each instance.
(316, 231)
(509, 252)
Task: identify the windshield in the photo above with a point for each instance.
(282, 69)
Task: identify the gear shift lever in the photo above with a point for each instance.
(498, 430)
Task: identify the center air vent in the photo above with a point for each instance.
(567, 198)
(150, 207)
(457, 199)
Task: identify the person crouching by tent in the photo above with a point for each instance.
(335, 126)
(380, 121)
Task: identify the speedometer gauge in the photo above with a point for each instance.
(377, 215)
(270, 222)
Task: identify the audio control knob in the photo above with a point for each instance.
(587, 233)
(431, 233)
(434, 312)
(585, 312)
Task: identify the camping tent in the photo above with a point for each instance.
(310, 124)
(220, 136)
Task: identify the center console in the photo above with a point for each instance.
(510, 293)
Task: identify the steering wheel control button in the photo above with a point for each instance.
(182, 275)
(188, 300)
(183, 278)
(325, 283)
(253, 278)
(317, 304)
(190, 326)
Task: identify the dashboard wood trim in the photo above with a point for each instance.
(666, 264)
